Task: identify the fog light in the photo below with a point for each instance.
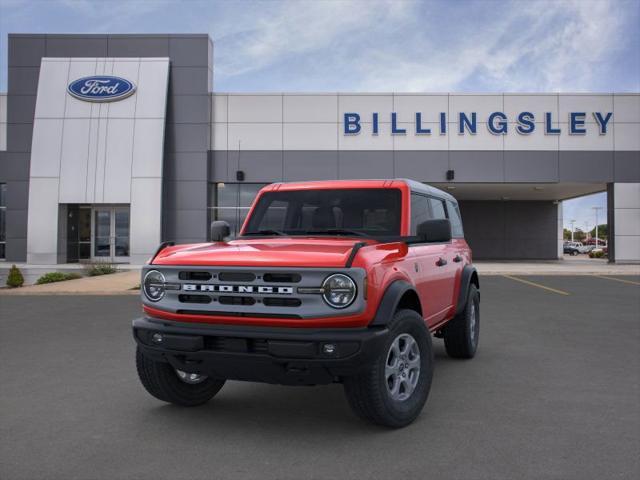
(156, 338)
(329, 348)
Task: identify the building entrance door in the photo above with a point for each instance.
(110, 234)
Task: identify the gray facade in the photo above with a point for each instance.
(510, 186)
(186, 129)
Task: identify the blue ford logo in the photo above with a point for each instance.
(102, 88)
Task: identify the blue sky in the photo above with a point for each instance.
(370, 45)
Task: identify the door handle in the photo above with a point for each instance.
(441, 262)
(457, 259)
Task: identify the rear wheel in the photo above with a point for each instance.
(461, 334)
(394, 388)
(175, 386)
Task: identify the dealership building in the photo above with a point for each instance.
(110, 144)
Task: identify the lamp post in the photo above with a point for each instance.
(596, 210)
(572, 222)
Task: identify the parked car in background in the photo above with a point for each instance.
(572, 248)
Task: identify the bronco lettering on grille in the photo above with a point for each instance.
(191, 287)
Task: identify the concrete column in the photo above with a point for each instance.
(560, 236)
(624, 222)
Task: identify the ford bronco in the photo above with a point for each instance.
(332, 281)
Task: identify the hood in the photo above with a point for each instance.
(273, 252)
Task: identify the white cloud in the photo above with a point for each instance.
(383, 46)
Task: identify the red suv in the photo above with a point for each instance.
(334, 281)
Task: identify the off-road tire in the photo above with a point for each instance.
(161, 380)
(459, 341)
(367, 392)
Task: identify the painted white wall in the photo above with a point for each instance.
(97, 153)
(626, 211)
(298, 121)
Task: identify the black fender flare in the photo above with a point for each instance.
(390, 300)
(468, 272)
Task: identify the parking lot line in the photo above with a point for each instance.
(631, 282)
(534, 284)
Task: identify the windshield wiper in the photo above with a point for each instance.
(266, 232)
(337, 231)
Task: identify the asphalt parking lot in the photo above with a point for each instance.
(554, 392)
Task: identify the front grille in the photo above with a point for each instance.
(270, 292)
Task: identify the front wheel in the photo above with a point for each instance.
(175, 386)
(394, 388)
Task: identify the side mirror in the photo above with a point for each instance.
(219, 230)
(435, 230)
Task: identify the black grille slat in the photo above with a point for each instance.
(227, 300)
(236, 276)
(281, 277)
(282, 302)
(183, 298)
(196, 276)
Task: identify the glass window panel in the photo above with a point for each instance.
(84, 224)
(437, 208)
(455, 219)
(122, 223)
(3, 194)
(122, 246)
(84, 251)
(3, 233)
(2, 250)
(419, 211)
(370, 211)
(103, 233)
(227, 195)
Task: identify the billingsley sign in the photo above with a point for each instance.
(101, 88)
(497, 123)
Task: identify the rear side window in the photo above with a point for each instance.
(455, 219)
(419, 211)
(437, 208)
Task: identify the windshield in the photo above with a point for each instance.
(353, 212)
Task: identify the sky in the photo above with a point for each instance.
(377, 45)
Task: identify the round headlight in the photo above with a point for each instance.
(153, 285)
(339, 291)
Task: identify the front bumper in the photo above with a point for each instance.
(289, 356)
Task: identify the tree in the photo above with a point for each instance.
(566, 234)
(603, 231)
(579, 235)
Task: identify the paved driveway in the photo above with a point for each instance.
(553, 393)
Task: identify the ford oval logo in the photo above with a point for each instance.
(101, 88)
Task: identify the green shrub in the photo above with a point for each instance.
(596, 254)
(96, 269)
(52, 277)
(15, 278)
